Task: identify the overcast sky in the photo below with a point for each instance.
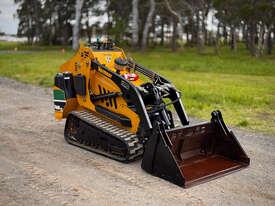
(8, 23)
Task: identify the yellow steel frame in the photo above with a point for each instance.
(80, 63)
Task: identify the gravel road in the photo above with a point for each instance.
(37, 166)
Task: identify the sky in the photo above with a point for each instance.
(8, 23)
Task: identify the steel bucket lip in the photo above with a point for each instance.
(189, 184)
(220, 172)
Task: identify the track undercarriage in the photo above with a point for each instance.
(92, 132)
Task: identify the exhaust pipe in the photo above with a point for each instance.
(194, 154)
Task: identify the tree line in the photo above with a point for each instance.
(150, 23)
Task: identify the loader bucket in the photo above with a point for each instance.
(194, 154)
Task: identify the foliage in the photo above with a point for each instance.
(250, 21)
(30, 22)
(119, 16)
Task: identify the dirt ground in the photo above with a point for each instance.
(37, 166)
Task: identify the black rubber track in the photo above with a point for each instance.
(91, 132)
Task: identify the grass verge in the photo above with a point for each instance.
(242, 87)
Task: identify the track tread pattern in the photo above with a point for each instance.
(131, 141)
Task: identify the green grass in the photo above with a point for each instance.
(242, 87)
(12, 46)
(33, 67)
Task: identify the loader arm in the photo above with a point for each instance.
(130, 93)
(174, 94)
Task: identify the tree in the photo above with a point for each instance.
(142, 22)
(135, 27)
(228, 14)
(29, 21)
(148, 24)
(119, 13)
(90, 9)
(201, 10)
(76, 27)
(176, 18)
(180, 9)
(46, 21)
(257, 15)
(177, 15)
(57, 18)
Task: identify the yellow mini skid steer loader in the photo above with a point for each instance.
(118, 108)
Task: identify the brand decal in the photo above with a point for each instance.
(108, 58)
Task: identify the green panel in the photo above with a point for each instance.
(58, 94)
